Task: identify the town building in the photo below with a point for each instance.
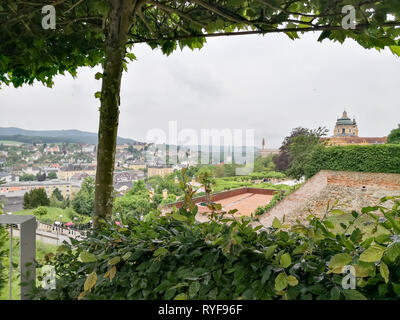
(137, 165)
(66, 173)
(346, 133)
(345, 127)
(161, 171)
(264, 153)
(67, 189)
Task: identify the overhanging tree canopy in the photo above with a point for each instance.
(92, 32)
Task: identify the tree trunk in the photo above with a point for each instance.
(121, 12)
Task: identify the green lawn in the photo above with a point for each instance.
(222, 184)
(41, 250)
(53, 214)
(13, 143)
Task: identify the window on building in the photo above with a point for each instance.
(343, 130)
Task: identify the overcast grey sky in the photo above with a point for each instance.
(271, 84)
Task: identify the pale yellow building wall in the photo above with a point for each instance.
(159, 171)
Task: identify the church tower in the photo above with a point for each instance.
(345, 127)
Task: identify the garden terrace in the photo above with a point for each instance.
(245, 200)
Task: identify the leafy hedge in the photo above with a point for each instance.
(371, 158)
(278, 197)
(173, 257)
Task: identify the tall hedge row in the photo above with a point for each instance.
(371, 158)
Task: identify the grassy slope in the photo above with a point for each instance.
(14, 143)
(53, 214)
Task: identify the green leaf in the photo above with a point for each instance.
(300, 249)
(266, 275)
(292, 281)
(270, 251)
(131, 56)
(181, 296)
(90, 281)
(98, 76)
(276, 223)
(364, 269)
(325, 34)
(393, 251)
(114, 261)
(396, 288)
(329, 224)
(384, 270)
(335, 293)
(338, 261)
(179, 217)
(373, 254)
(87, 257)
(353, 295)
(286, 260)
(356, 236)
(127, 255)
(395, 50)
(160, 252)
(337, 212)
(97, 95)
(194, 288)
(281, 282)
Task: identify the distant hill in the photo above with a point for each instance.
(53, 136)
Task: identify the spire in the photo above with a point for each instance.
(344, 114)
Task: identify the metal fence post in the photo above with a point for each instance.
(27, 250)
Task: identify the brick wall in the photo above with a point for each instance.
(353, 190)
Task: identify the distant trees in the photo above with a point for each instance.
(135, 153)
(57, 200)
(41, 176)
(83, 202)
(296, 150)
(301, 148)
(27, 177)
(205, 177)
(282, 160)
(57, 194)
(52, 175)
(136, 201)
(167, 183)
(394, 136)
(171, 198)
(40, 211)
(264, 164)
(38, 177)
(36, 198)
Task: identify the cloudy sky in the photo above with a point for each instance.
(270, 84)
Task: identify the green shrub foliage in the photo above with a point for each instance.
(36, 198)
(174, 257)
(3, 253)
(371, 158)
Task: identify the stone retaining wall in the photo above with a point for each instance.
(353, 190)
